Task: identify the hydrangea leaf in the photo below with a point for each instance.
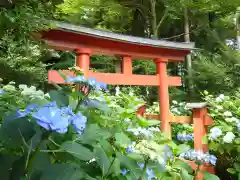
(62, 172)
(182, 148)
(61, 98)
(208, 176)
(102, 160)
(13, 132)
(77, 150)
(122, 140)
(93, 133)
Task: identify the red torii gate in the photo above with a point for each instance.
(85, 41)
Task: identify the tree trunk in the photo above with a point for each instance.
(188, 58)
(238, 27)
(154, 19)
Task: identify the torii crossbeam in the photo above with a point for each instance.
(85, 42)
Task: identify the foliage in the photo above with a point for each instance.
(84, 134)
(20, 53)
(224, 136)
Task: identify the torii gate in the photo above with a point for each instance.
(85, 42)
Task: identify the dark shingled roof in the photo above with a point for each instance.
(123, 38)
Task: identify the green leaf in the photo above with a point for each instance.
(115, 168)
(107, 147)
(135, 156)
(185, 175)
(122, 140)
(179, 164)
(62, 172)
(102, 160)
(182, 148)
(59, 97)
(93, 133)
(231, 170)
(153, 122)
(41, 161)
(13, 133)
(208, 176)
(205, 139)
(77, 150)
(6, 164)
(237, 166)
(131, 165)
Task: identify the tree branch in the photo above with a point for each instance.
(182, 34)
(162, 19)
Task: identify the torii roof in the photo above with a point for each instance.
(73, 37)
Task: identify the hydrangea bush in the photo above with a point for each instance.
(181, 132)
(223, 136)
(85, 134)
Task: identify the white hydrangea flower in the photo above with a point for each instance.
(227, 114)
(221, 96)
(127, 120)
(229, 120)
(22, 86)
(47, 95)
(117, 91)
(31, 92)
(174, 102)
(219, 107)
(9, 88)
(131, 93)
(229, 137)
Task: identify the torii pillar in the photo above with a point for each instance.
(163, 95)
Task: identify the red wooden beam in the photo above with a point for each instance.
(69, 41)
(116, 79)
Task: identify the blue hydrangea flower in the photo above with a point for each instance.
(79, 122)
(185, 137)
(141, 165)
(213, 160)
(28, 110)
(51, 118)
(92, 81)
(238, 126)
(1, 91)
(167, 153)
(129, 149)
(75, 79)
(215, 133)
(96, 104)
(199, 157)
(101, 86)
(150, 174)
(124, 172)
